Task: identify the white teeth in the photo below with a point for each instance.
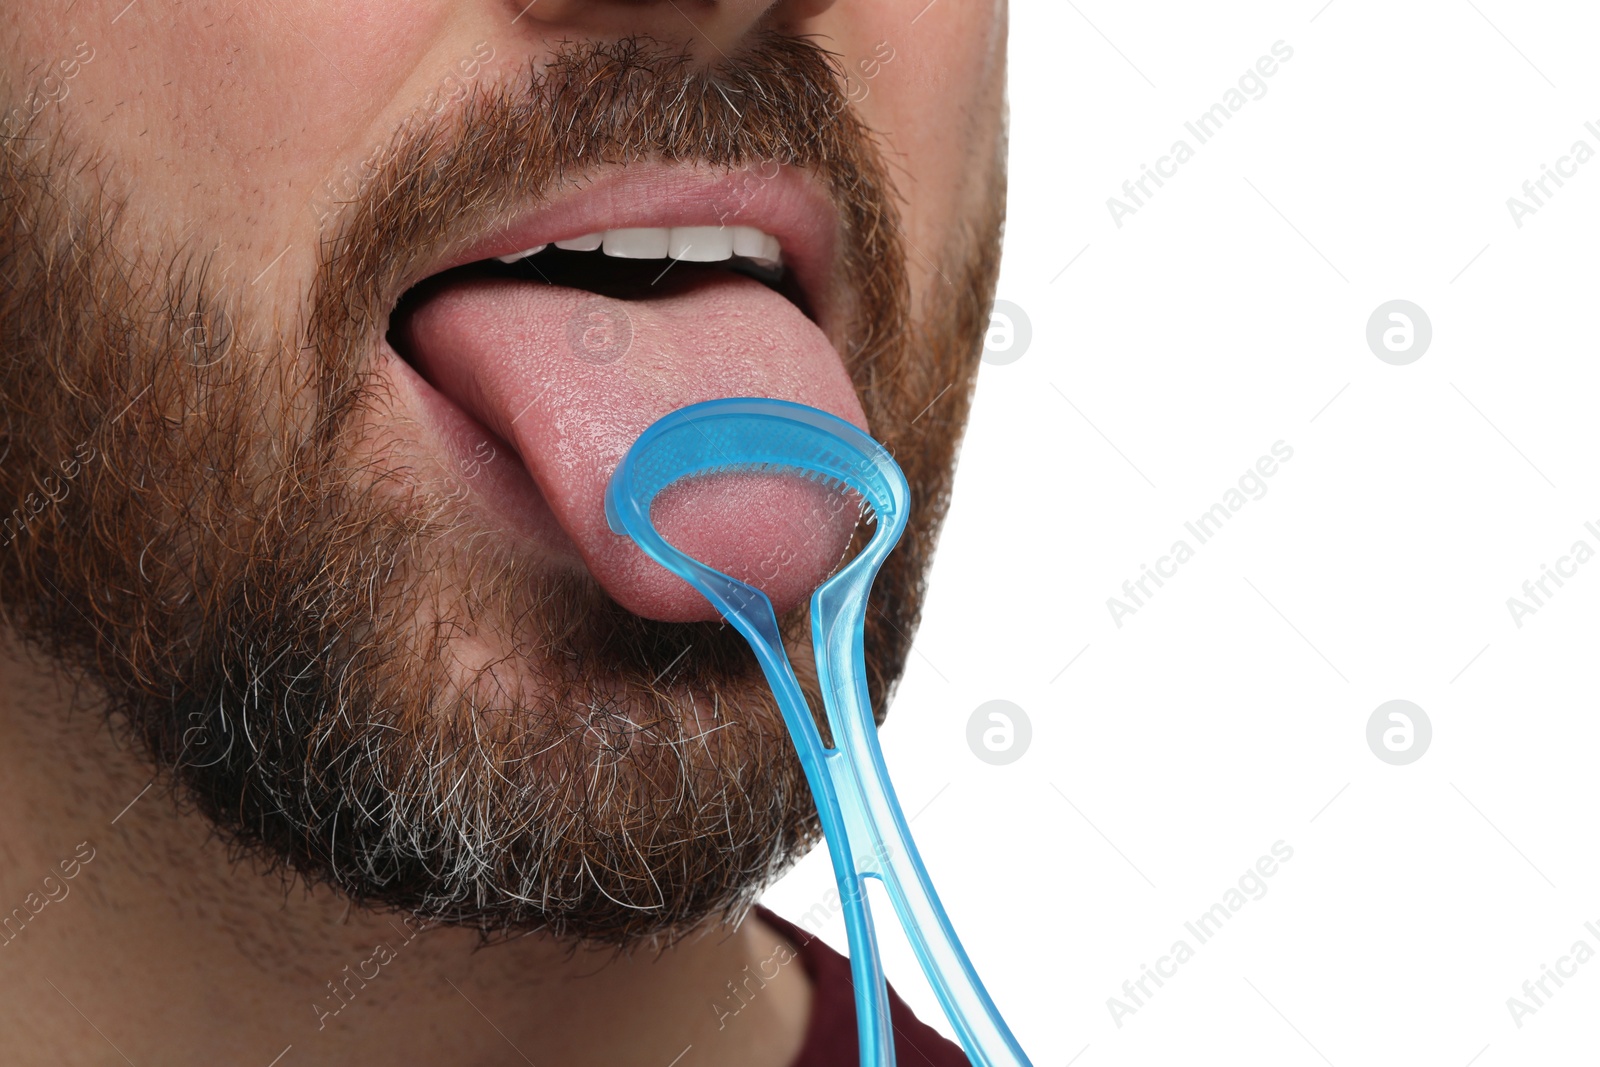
(524, 254)
(748, 241)
(695, 244)
(700, 244)
(771, 253)
(755, 245)
(644, 242)
(589, 242)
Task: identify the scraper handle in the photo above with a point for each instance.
(883, 841)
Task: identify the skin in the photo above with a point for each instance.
(222, 120)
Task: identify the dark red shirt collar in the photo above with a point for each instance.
(831, 1035)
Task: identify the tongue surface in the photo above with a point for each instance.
(571, 379)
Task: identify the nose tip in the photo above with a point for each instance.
(710, 29)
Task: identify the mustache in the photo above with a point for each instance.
(779, 100)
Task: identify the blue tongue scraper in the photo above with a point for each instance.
(865, 829)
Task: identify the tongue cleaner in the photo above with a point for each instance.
(866, 831)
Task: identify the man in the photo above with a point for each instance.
(338, 727)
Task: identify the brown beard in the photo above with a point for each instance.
(207, 518)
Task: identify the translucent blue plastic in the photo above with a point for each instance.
(865, 828)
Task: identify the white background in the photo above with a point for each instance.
(1230, 711)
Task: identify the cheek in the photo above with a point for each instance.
(292, 80)
(244, 104)
(937, 101)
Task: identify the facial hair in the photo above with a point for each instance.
(215, 522)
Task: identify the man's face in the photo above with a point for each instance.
(310, 484)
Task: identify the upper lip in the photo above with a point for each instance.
(782, 201)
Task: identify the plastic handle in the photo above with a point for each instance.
(861, 819)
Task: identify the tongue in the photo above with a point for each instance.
(571, 379)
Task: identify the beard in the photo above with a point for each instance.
(217, 522)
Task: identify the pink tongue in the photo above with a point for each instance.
(571, 379)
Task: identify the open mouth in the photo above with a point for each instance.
(624, 264)
(561, 337)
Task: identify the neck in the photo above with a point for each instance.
(124, 923)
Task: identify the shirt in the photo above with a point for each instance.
(831, 1039)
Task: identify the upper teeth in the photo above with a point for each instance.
(524, 254)
(696, 244)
